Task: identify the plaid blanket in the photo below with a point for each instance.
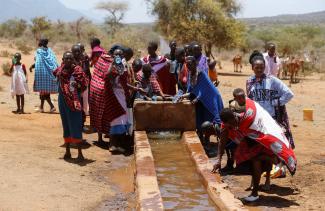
(45, 64)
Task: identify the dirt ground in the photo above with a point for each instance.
(306, 189)
(35, 177)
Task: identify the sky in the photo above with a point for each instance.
(250, 8)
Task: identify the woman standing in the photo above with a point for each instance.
(72, 82)
(270, 92)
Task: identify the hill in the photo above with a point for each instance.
(27, 9)
(308, 18)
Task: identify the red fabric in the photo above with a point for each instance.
(96, 52)
(182, 77)
(72, 140)
(267, 143)
(64, 76)
(167, 80)
(104, 106)
(152, 80)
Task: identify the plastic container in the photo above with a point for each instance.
(308, 114)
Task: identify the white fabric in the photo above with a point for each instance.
(271, 68)
(265, 124)
(85, 102)
(120, 95)
(18, 81)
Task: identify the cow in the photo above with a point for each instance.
(237, 61)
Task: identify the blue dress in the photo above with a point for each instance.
(71, 120)
(210, 101)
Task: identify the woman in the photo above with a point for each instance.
(72, 82)
(260, 140)
(205, 96)
(44, 81)
(270, 92)
(117, 96)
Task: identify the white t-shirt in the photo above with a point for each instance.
(271, 67)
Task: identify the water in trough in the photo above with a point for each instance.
(180, 185)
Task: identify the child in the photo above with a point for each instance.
(19, 85)
(72, 82)
(238, 103)
(148, 86)
(213, 75)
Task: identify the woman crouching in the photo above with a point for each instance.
(260, 140)
(72, 82)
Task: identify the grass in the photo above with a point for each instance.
(23, 47)
(5, 54)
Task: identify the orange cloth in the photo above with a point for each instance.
(213, 75)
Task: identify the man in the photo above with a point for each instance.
(202, 61)
(260, 140)
(272, 61)
(161, 68)
(172, 46)
(96, 51)
(44, 81)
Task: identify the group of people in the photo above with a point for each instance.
(255, 127)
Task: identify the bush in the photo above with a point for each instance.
(5, 54)
(23, 47)
(6, 68)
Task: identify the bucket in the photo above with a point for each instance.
(308, 114)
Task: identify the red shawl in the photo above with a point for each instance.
(166, 79)
(104, 106)
(257, 124)
(81, 82)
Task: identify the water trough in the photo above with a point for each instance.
(166, 116)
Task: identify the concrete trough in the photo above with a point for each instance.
(167, 116)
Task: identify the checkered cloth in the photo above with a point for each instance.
(45, 64)
(152, 82)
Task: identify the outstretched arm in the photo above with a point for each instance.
(221, 149)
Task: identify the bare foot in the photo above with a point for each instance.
(67, 156)
(80, 158)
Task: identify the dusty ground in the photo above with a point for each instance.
(35, 177)
(306, 189)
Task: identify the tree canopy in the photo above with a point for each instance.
(116, 12)
(209, 22)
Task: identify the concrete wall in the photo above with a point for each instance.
(160, 115)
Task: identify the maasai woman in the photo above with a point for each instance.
(96, 51)
(205, 96)
(118, 95)
(72, 82)
(161, 68)
(261, 141)
(19, 85)
(270, 92)
(181, 71)
(44, 81)
(201, 60)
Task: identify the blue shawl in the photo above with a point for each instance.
(45, 64)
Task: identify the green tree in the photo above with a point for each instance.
(13, 28)
(116, 12)
(210, 22)
(39, 25)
